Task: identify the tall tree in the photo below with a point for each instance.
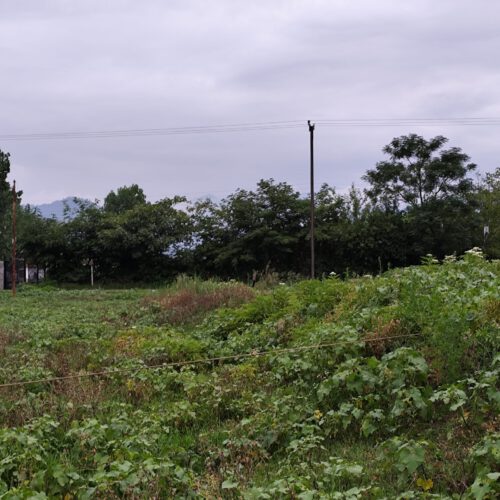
(41, 241)
(145, 242)
(256, 229)
(125, 198)
(5, 206)
(419, 171)
(429, 186)
(488, 197)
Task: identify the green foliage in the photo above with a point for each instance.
(485, 459)
(408, 456)
(250, 230)
(399, 398)
(488, 200)
(419, 172)
(429, 186)
(127, 240)
(40, 239)
(420, 201)
(125, 198)
(5, 206)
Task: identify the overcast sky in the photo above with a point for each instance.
(87, 65)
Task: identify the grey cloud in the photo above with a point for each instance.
(92, 65)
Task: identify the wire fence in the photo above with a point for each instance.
(219, 359)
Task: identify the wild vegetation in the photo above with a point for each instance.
(368, 387)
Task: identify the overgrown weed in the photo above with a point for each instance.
(189, 299)
(359, 416)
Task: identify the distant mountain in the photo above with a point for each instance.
(56, 208)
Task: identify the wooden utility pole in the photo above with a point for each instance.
(311, 137)
(14, 210)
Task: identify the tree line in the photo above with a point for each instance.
(421, 199)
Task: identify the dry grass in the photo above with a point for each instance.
(187, 305)
(376, 339)
(66, 400)
(492, 311)
(8, 338)
(67, 358)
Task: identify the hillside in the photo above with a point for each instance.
(56, 208)
(373, 387)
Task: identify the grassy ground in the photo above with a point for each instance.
(402, 402)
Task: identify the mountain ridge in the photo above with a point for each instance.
(56, 208)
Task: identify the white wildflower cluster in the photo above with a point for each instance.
(448, 259)
(475, 252)
(429, 259)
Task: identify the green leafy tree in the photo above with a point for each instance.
(488, 198)
(210, 233)
(125, 198)
(331, 216)
(354, 235)
(77, 243)
(252, 230)
(4, 203)
(6, 206)
(41, 241)
(145, 242)
(419, 171)
(430, 188)
(442, 227)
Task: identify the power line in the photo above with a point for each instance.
(413, 119)
(408, 123)
(202, 129)
(254, 127)
(253, 354)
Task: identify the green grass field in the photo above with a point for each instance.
(399, 398)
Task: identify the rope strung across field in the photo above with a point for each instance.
(174, 364)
